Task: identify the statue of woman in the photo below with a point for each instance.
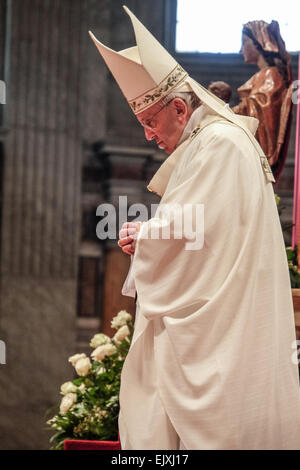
(267, 95)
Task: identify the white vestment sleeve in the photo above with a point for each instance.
(128, 288)
(214, 330)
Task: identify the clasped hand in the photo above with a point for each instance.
(128, 236)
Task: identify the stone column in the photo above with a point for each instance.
(47, 103)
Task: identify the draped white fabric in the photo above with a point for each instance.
(212, 347)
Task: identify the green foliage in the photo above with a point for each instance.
(293, 267)
(291, 253)
(89, 408)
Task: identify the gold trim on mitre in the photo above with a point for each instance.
(144, 101)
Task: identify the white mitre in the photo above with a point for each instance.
(146, 73)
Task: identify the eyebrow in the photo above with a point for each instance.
(146, 119)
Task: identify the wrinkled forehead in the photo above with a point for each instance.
(148, 113)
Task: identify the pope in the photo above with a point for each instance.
(210, 364)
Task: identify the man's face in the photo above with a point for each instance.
(165, 123)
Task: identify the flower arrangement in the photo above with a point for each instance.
(89, 408)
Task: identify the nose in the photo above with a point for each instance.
(149, 134)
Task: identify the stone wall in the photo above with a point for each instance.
(54, 104)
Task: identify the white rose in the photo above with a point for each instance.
(81, 388)
(121, 319)
(99, 339)
(121, 334)
(67, 387)
(67, 401)
(75, 358)
(83, 366)
(102, 351)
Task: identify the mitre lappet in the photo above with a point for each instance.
(146, 73)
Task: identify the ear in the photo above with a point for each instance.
(180, 106)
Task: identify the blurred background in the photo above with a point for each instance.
(68, 143)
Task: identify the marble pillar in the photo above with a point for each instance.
(53, 88)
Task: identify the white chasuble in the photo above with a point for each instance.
(211, 358)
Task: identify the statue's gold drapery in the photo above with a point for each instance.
(266, 97)
(268, 94)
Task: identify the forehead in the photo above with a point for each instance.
(246, 39)
(148, 113)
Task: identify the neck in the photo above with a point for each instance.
(262, 63)
(194, 120)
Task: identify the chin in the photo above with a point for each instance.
(166, 148)
(249, 60)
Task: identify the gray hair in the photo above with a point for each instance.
(189, 97)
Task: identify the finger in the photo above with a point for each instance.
(132, 247)
(129, 250)
(127, 231)
(126, 249)
(123, 233)
(130, 224)
(125, 241)
(135, 235)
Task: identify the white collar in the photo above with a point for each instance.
(161, 178)
(194, 121)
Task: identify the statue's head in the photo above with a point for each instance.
(264, 39)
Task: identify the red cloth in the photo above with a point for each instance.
(74, 444)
